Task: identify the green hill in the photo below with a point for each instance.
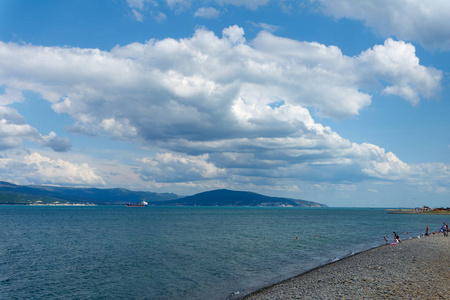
(237, 198)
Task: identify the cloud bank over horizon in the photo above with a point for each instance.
(216, 109)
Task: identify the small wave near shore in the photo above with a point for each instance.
(417, 268)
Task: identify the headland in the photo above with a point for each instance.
(422, 210)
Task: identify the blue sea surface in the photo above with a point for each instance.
(107, 252)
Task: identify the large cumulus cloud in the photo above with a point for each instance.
(205, 72)
(224, 107)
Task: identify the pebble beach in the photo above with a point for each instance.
(417, 268)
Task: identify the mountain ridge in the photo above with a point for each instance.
(43, 194)
(54, 195)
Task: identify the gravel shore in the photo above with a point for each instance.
(417, 268)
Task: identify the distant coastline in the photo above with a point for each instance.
(424, 210)
(58, 204)
(12, 194)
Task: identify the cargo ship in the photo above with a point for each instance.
(142, 204)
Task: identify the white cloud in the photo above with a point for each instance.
(159, 16)
(139, 4)
(382, 165)
(14, 131)
(179, 4)
(34, 168)
(57, 143)
(412, 20)
(140, 7)
(397, 63)
(267, 27)
(118, 128)
(138, 15)
(234, 34)
(205, 75)
(172, 167)
(251, 4)
(11, 96)
(434, 177)
(207, 12)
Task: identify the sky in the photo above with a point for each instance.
(342, 102)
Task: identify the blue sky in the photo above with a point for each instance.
(342, 102)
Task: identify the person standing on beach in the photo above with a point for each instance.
(427, 233)
(444, 229)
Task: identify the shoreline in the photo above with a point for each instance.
(411, 211)
(415, 268)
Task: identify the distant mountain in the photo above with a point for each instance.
(237, 198)
(38, 194)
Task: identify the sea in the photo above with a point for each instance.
(111, 252)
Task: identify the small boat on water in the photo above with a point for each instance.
(142, 204)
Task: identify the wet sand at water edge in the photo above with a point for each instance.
(417, 268)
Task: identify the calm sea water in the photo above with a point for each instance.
(179, 253)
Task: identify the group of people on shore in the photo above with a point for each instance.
(444, 229)
(396, 239)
